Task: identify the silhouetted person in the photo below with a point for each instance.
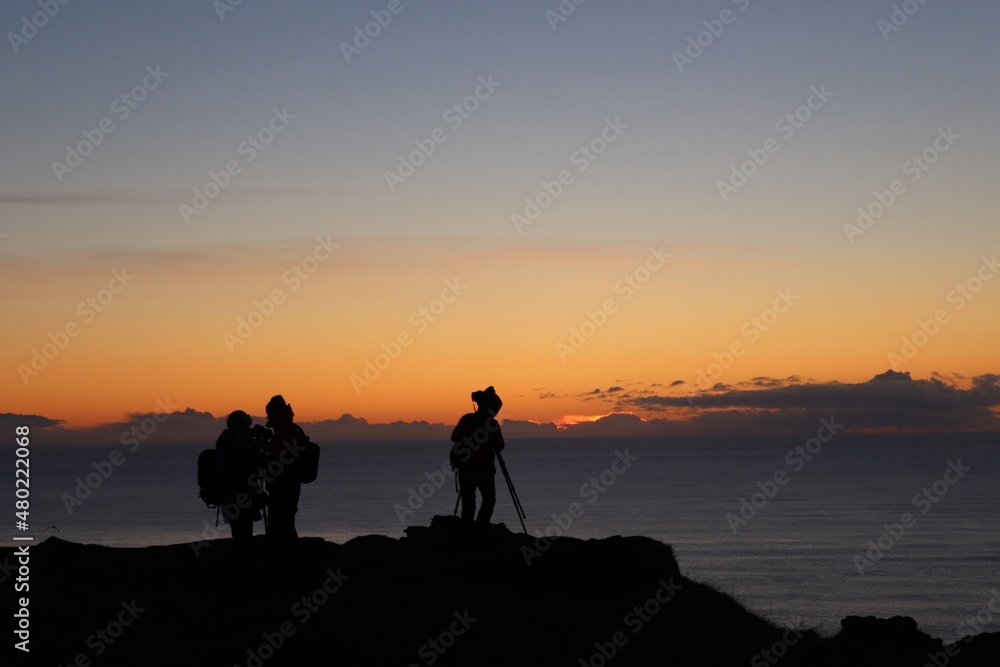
(476, 438)
(240, 456)
(283, 483)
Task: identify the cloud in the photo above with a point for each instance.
(887, 390)
(611, 393)
(518, 428)
(616, 424)
(9, 421)
(92, 197)
(179, 426)
(152, 197)
(349, 427)
(189, 426)
(766, 382)
(890, 400)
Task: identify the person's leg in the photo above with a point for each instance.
(293, 501)
(281, 516)
(468, 492)
(275, 520)
(242, 528)
(488, 488)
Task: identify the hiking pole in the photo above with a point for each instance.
(458, 494)
(513, 493)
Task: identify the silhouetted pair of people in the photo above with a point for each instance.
(475, 441)
(259, 463)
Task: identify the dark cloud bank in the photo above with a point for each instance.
(890, 401)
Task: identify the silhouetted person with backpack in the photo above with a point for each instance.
(475, 440)
(239, 458)
(283, 481)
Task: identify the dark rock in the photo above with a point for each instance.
(445, 595)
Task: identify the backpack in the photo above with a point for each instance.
(459, 455)
(210, 483)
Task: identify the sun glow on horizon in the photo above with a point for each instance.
(573, 420)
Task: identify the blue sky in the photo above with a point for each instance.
(606, 60)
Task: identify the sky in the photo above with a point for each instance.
(630, 217)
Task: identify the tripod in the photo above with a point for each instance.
(513, 493)
(510, 486)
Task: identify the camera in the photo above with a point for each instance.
(260, 436)
(487, 398)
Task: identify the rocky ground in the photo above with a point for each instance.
(439, 596)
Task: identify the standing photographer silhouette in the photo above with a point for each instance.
(475, 441)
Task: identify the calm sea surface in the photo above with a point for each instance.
(795, 560)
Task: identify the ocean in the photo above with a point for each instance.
(800, 533)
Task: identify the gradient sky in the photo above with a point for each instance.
(854, 297)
